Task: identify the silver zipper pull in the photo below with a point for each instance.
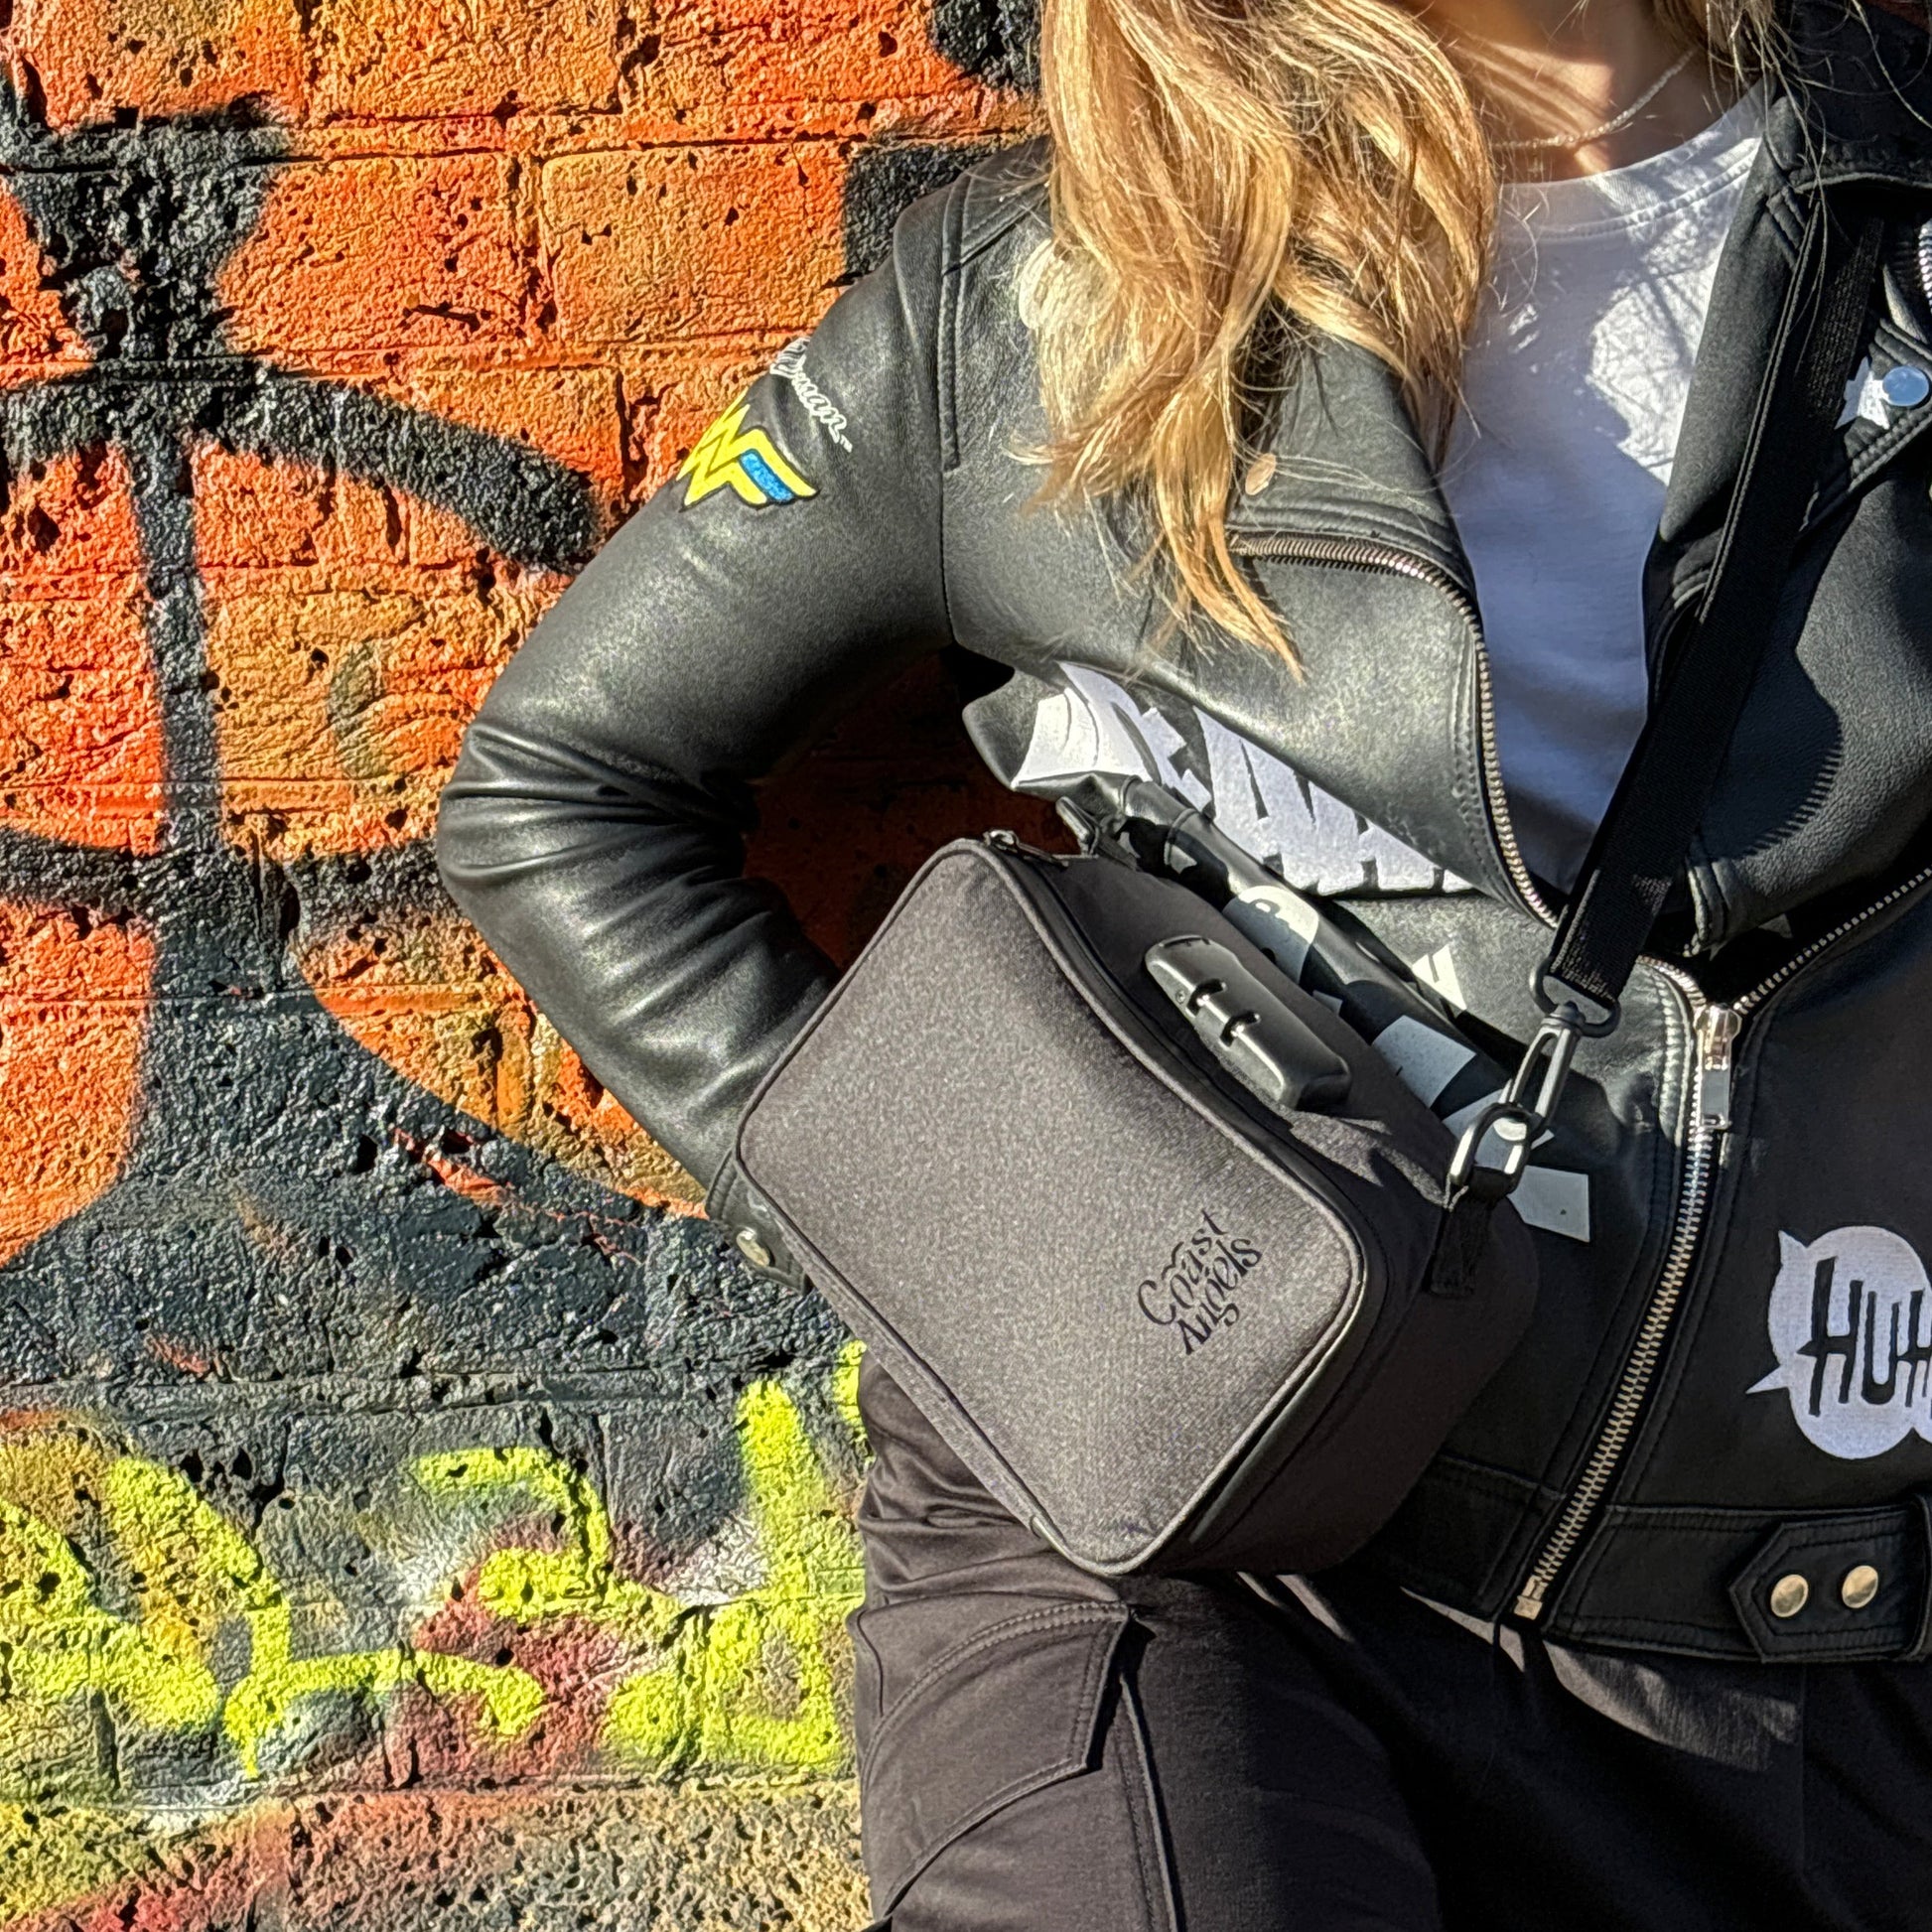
(1716, 1027)
(1015, 847)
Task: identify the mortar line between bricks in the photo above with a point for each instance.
(777, 145)
(510, 355)
(371, 358)
(929, 119)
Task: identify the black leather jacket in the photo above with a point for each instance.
(1730, 1379)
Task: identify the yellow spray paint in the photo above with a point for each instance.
(751, 1684)
(580, 1579)
(196, 1572)
(845, 1392)
(61, 1643)
(757, 1683)
(48, 1857)
(757, 1680)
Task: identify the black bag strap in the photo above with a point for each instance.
(1660, 800)
(1641, 845)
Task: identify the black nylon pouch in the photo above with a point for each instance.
(1168, 1322)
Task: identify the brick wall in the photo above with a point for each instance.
(409, 1513)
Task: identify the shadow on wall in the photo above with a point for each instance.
(845, 829)
(898, 778)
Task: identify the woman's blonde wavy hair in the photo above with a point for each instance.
(1316, 164)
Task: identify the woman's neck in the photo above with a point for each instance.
(1561, 67)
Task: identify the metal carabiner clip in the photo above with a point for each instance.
(1516, 1128)
(1513, 1118)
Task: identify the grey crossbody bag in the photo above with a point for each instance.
(1154, 1239)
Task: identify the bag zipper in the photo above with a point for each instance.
(1714, 1029)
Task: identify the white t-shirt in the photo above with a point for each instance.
(1574, 392)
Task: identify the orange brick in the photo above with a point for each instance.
(32, 328)
(254, 514)
(72, 1006)
(727, 65)
(693, 241)
(162, 58)
(389, 57)
(340, 711)
(66, 524)
(572, 415)
(428, 996)
(80, 733)
(372, 254)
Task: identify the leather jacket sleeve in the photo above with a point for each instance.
(593, 828)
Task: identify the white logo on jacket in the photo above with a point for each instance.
(790, 368)
(1295, 828)
(1314, 844)
(1852, 1329)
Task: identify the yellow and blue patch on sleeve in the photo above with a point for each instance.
(728, 456)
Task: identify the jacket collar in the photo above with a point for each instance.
(1859, 106)
(1342, 459)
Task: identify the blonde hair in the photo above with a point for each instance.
(1223, 172)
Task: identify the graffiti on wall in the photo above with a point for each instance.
(522, 1641)
(405, 1499)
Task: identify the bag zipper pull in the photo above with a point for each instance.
(1011, 843)
(1717, 1028)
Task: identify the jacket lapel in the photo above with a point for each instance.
(1341, 523)
(1340, 458)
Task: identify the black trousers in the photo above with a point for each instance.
(1043, 1751)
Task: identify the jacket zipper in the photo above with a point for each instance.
(1714, 1029)
(1356, 553)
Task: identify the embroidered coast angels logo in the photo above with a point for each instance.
(1853, 1333)
(1193, 1293)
